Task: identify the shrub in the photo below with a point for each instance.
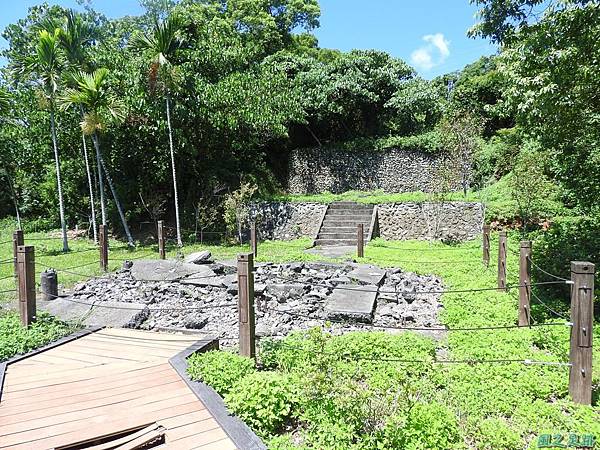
(568, 239)
(264, 400)
(221, 370)
(495, 434)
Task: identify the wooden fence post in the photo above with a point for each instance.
(18, 240)
(360, 240)
(502, 261)
(524, 283)
(582, 317)
(103, 238)
(245, 271)
(26, 269)
(253, 239)
(486, 245)
(161, 240)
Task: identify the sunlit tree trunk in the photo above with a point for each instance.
(91, 186)
(61, 205)
(102, 168)
(179, 242)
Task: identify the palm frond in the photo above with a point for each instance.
(162, 42)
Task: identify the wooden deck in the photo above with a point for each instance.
(100, 384)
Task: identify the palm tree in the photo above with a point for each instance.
(162, 44)
(74, 37)
(99, 105)
(47, 65)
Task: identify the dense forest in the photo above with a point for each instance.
(209, 95)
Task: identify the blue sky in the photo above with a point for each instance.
(428, 34)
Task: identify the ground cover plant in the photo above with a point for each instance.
(16, 339)
(314, 390)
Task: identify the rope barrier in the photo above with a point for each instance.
(408, 328)
(9, 290)
(539, 300)
(7, 277)
(448, 291)
(411, 249)
(72, 252)
(100, 305)
(544, 272)
(6, 242)
(432, 361)
(8, 260)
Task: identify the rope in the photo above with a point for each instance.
(100, 305)
(433, 361)
(46, 255)
(539, 300)
(484, 328)
(544, 272)
(447, 291)
(6, 261)
(409, 249)
(6, 242)
(7, 277)
(7, 291)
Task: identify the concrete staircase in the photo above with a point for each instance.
(340, 223)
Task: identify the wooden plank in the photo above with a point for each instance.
(77, 396)
(93, 427)
(223, 444)
(151, 335)
(123, 440)
(135, 343)
(109, 354)
(170, 388)
(197, 440)
(70, 422)
(117, 374)
(85, 373)
(192, 429)
(91, 347)
(67, 391)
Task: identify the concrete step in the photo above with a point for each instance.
(356, 206)
(349, 211)
(345, 236)
(350, 229)
(335, 242)
(350, 223)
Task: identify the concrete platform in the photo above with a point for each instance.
(167, 270)
(352, 302)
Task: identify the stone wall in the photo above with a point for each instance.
(285, 220)
(450, 221)
(328, 170)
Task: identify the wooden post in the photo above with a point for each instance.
(253, 240)
(502, 261)
(245, 268)
(26, 269)
(18, 240)
(524, 283)
(360, 240)
(161, 240)
(103, 238)
(486, 245)
(582, 317)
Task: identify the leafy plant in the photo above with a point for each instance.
(236, 208)
(219, 369)
(264, 400)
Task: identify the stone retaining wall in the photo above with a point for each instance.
(313, 171)
(285, 220)
(450, 221)
(456, 221)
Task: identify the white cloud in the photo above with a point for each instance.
(433, 54)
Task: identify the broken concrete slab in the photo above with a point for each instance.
(167, 270)
(352, 302)
(367, 274)
(104, 314)
(202, 281)
(203, 257)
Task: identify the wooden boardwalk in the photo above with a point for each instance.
(101, 384)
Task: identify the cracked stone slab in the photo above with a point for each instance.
(367, 274)
(217, 281)
(167, 270)
(104, 314)
(352, 302)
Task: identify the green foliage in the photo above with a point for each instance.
(236, 208)
(221, 370)
(16, 339)
(264, 400)
(529, 186)
(568, 239)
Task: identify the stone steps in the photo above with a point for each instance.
(340, 223)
